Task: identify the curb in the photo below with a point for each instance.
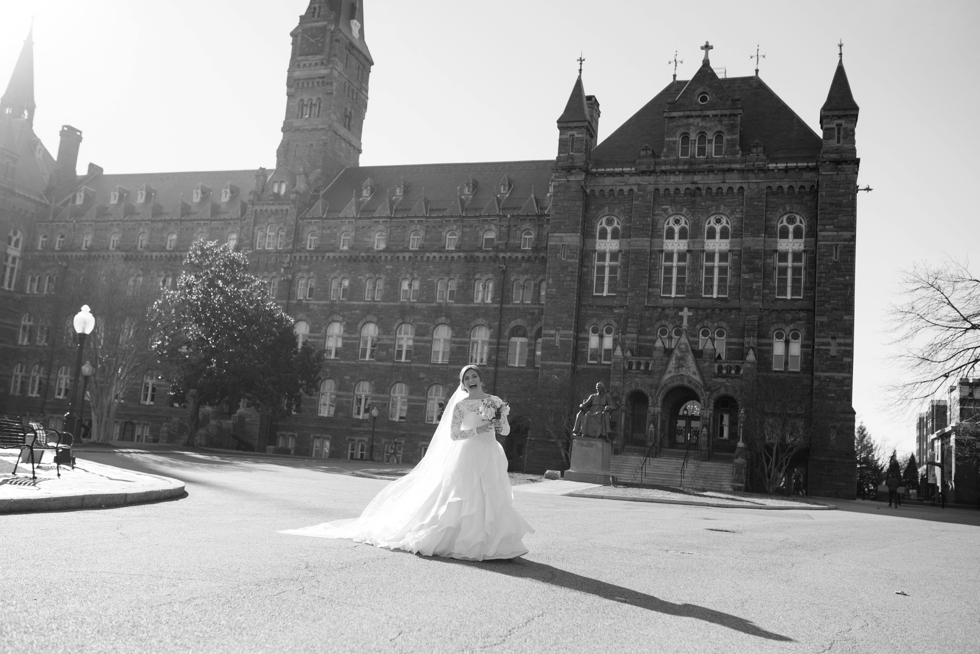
(91, 501)
(623, 498)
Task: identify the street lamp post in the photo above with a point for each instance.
(87, 371)
(84, 323)
(374, 419)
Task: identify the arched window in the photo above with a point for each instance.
(441, 340)
(517, 348)
(380, 240)
(489, 239)
(718, 149)
(302, 331)
(316, 111)
(327, 402)
(537, 348)
(339, 288)
(415, 241)
(721, 344)
(42, 241)
(87, 241)
(301, 288)
(779, 350)
(790, 257)
(673, 272)
(479, 344)
(716, 341)
(62, 383)
(311, 241)
(59, 243)
(483, 291)
(369, 285)
(398, 402)
(594, 342)
(310, 288)
(141, 241)
(345, 240)
(369, 342)
(301, 109)
(114, 241)
(17, 379)
(702, 146)
(607, 344)
(442, 287)
(232, 241)
(281, 239)
(435, 402)
(43, 329)
(675, 336)
(259, 238)
(166, 281)
(273, 286)
(334, 341)
(362, 400)
(171, 241)
(452, 240)
(34, 384)
(528, 292)
(795, 351)
(270, 237)
(518, 292)
(404, 340)
(607, 256)
(685, 146)
(527, 239)
(717, 235)
(410, 290)
(148, 391)
(49, 283)
(26, 327)
(542, 287)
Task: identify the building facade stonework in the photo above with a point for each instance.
(708, 243)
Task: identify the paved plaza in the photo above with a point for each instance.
(207, 571)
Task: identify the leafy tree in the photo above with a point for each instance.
(894, 468)
(939, 327)
(867, 455)
(223, 338)
(778, 429)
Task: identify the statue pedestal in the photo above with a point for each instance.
(590, 461)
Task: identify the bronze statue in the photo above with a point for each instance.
(592, 419)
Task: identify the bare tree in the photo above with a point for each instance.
(558, 420)
(119, 348)
(938, 325)
(778, 428)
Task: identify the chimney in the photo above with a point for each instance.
(71, 139)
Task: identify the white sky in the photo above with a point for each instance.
(188, 85)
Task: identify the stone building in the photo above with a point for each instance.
(705, 247)
(946, 444)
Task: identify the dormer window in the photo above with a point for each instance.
(504, 186)
(367, 189)
(226, 193)
(400, 189)
(469, 186)
(142, 194)
(114, 197)
(200, 192)
(279, 188)
(80, 196)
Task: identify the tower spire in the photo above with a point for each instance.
(18, 100)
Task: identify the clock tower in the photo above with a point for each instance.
(326, 92)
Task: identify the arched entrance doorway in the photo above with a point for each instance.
(682, 409)
(637, 404)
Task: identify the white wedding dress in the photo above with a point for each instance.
(456, 503)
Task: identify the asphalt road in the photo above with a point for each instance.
(209, 573)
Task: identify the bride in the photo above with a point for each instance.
(457, 502)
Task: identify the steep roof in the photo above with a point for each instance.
(19, 96)
(575, 109)
(33, 163)
(839, 97)
(784, 135)
(436, 189)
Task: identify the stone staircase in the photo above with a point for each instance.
(666, 471)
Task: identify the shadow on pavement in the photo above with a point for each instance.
(551, 575)
(959, 515)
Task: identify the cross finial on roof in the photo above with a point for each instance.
(757, 57)
(685, 314)
(707, 47)
(675, 61)
(840, 48)
(580, 60)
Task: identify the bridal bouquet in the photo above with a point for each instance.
(493, 408)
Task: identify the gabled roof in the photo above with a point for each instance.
(765, 116)
(433, 189)
(707, 80)
(34, 164)
(19, 96)
(839, 98)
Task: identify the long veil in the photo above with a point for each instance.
(389, 518)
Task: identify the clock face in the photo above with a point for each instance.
(311, 41)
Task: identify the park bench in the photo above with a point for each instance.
(14, 435)
(31, 440)
(63, 453)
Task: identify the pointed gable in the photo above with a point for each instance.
(384, 208)
(352, 209)
(704, 92)
(682, 363)
(18, 99)
(492, 208)
(421, 207)
(839, 98)
(530, 206)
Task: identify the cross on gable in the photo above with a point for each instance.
(580, 60)
(685, 314)
(707, 47)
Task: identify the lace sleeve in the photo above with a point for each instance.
(456, 433)
(502, 426)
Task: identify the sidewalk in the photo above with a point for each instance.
(93, 485)
(89, 486)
